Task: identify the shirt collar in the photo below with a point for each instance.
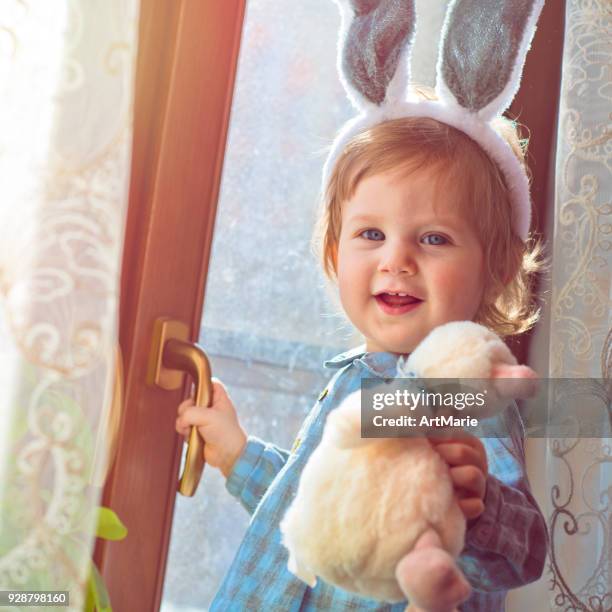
(339, 361)
(380, 365)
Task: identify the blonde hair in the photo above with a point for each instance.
(413, 143)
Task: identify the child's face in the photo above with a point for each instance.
(392, 241)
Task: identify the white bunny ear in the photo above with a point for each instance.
(374, 48)
(482, 53)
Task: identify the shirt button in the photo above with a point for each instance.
(323, 395)
(296, 445)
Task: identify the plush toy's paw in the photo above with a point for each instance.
(430, 578)
(292, 537)
(516, 382)
(343, 426)
(301, 572)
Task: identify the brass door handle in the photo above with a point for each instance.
(172, 355)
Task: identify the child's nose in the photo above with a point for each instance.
(397, 260)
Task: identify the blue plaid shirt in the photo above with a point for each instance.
(505, 546)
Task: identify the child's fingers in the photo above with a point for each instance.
(185, 404)
(470, 479)
(181, 428)
(183, 431)
(456, 453)
(182, 424)
(472, 507)
(194, 416)
(461, 436)
(220, 395)
(462, 454)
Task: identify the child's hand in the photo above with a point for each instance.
(224, 437)
(467, 460)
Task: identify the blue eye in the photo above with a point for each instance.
(372, 234)
(438, 239)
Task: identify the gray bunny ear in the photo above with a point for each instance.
(374, 48)
(482, 54)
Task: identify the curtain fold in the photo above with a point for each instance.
(579, 470)
(66, 96)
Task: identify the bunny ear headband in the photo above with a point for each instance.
(482, 52)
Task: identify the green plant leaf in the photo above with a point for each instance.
(90, 595)
(97, 599)
(110, 526)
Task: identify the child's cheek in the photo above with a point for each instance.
(353, 282)
(461, 283)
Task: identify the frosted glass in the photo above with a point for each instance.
(287, 106)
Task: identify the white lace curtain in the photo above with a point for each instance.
(66, 94)
(579, 471)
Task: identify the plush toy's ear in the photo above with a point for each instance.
(482, 53)
(374, 49)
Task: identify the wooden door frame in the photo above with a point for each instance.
(186, 66)
(536, 106)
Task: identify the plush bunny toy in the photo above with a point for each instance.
(362, 503)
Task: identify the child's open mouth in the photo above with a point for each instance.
(396, 304)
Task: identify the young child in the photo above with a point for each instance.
(425, 220)
(416, 231)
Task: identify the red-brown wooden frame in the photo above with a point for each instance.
(186, 67)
